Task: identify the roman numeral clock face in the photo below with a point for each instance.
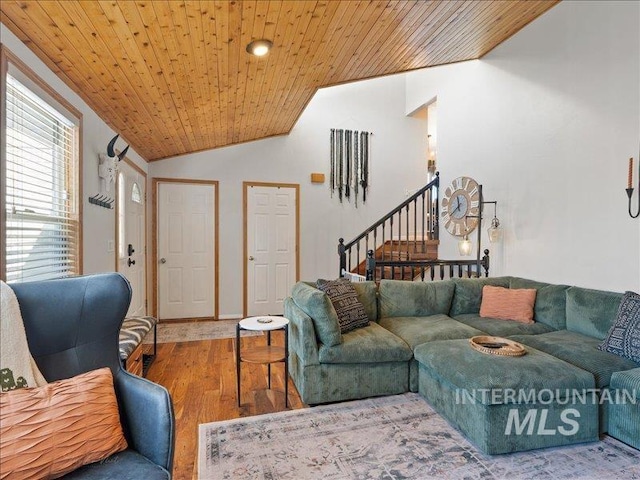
(461, 199)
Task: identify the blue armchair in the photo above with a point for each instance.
(72, 327)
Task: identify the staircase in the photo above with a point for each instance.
(402, 251)
(409, 233)
(403, 245)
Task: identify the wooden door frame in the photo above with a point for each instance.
(154, 247)
(245, 247)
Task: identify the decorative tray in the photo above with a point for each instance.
(497, 346)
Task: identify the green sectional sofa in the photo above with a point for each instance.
(565, 390)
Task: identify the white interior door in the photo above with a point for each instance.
(131, 242)
(186, 260)
(271, 247)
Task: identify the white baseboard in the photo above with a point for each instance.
(230, 316)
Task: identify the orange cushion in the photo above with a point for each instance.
(48, 431)
(508, 303)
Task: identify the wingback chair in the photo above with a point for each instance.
(72, 327)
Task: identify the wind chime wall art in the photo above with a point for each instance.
(350, 164)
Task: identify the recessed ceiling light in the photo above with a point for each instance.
(259, 48)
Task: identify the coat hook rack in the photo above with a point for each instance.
(102, 201)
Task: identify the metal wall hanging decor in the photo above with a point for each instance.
(350, 164)
(630, 188)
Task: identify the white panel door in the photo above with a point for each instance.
(186, 260)
(271, 248)
(131, 241)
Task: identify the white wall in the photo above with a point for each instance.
(398, 162)
(98, 222)
(547, 122)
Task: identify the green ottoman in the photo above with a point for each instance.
(508, 404)
(624, 413)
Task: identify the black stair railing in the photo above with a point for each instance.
(426, 269)
(404, 233)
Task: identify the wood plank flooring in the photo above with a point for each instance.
(201, 378)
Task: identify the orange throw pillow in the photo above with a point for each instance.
(48, 431)
(508, 303)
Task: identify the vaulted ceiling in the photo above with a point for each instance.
(173, 77)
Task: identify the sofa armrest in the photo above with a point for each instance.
(302, 335)
(627, 379)
(147, 417)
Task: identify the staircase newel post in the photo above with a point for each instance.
(371, 265)
(343, 257)
(485, 262)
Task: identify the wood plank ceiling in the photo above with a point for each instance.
(173, 77)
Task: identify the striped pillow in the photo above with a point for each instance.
(345, 301)
(508, 303)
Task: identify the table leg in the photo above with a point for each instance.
(238, 362)
(286, 366)
(268, 364)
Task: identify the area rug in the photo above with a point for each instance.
(397, 437)
(193, 331)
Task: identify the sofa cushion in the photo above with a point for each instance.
(476, 374)
(623, 338)
(368, 296)
(318, 307)
(405, 299)
(579, 350)
(468, 293)
(501, 328)
(349, 309)
(122, 465)
(551, 301)
(508, 304)
(371, 344)
(591, 312)
(417, 330)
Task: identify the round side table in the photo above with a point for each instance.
(267, 354)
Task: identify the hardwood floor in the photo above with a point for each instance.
(201, 378)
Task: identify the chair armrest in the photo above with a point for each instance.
(147, 417)
(302, 335)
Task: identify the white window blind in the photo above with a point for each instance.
(42, 221)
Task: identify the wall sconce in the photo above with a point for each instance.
(494, 231)
(630, 188)
(431, 154)
(464, 246)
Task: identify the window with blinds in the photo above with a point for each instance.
(42, 229)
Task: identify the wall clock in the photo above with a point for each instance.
(461, 199)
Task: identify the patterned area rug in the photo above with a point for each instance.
(397, 437)
(192, 331)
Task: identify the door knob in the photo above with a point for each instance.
(130, 262)
(163, 260)
(251, 258)
(130, 250)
